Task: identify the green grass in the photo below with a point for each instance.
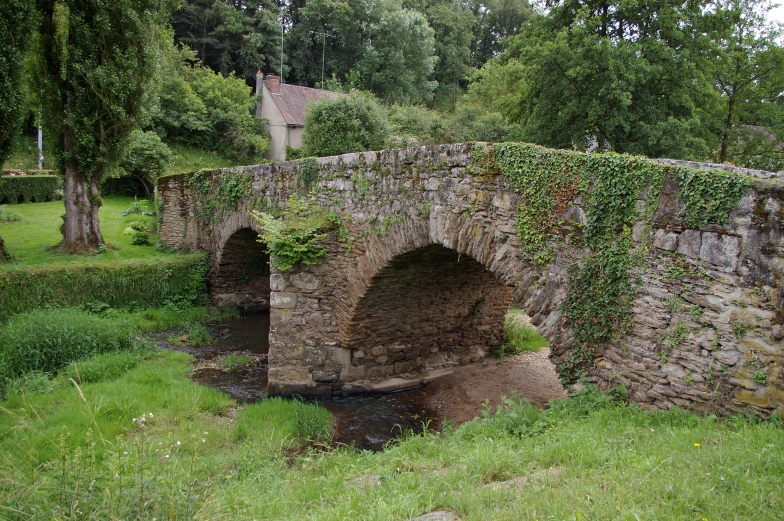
(29, 239)
(519, 335)
(25, 155)
(196, 454)
(186, 158)
(190, 159)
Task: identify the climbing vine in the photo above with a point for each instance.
(216, 192)
(308, 169)
(608, 187)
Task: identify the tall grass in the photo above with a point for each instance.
(519, 335)
(47, 340)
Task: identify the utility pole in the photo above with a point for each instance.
(281, 52)
(324, 37)
(40, 142)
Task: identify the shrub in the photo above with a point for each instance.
(146, 158)
(29, 188)
(47, 340)
(345, 124)
(520, 336)
(295, 236)
(174, 281)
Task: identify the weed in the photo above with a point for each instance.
(519, 336)
(760, 377)
(233, 361)
(741, 328)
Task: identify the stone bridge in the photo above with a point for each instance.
(429, 257)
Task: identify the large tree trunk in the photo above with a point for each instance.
(2, 251)
(81, 226)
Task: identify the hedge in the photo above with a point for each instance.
(179, 280)
(29, 188)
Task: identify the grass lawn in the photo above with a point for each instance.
(148, 443)
(28, 240)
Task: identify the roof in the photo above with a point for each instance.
(293, 100)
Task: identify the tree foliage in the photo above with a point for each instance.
(205, 109)
(15, 22)
(236, 36)
(345, 124)
(146, 158)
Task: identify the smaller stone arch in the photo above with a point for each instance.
(241, 274)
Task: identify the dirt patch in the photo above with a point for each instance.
(459, 396)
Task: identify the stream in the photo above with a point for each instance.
(366, 421)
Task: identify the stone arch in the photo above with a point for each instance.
(241, 272)
(429, 307)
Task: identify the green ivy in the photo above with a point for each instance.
(217, 192)
(709, 195)
(308, 169)
(601, 287)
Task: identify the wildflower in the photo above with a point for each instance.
(178, 443)
(203, 440)
(696, 444)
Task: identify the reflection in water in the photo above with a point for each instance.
(365, 421)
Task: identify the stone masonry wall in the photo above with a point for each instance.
(707, 321)
(242, 276)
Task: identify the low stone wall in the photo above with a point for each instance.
(429, 258)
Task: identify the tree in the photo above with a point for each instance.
(146, 158)
(453, 27)
(399, 56)
(627, 77)
(15, 22)
(373, 45)
(749, 77)
(240, 36)
(496, 20)
(350, 123)
(97, 64)
(203, 108)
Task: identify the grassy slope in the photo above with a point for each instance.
(185, 158)
(610, 463)
(28, 239)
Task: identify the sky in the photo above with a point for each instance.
(777, 14)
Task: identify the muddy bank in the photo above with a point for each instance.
(459, 396)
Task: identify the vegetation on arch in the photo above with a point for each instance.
(295, 234)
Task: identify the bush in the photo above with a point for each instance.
(352, 123)
(47, 340)
(29, 188)
(146, 158)
(520, 336)
(175, 281)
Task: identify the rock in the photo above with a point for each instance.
(720, 250)
(667, 241)
(689, 243)
(440, 515)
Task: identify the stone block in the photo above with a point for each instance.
(305, 281)
(283, 300)
(321, 376)
(689, 243)
(720, 250)
(664, 240)
(277, 282)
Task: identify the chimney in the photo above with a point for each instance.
(273, 83)
(259, 79)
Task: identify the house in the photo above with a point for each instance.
(282, 107)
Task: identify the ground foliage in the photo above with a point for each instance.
(601, 287)
(145, 442)
(176, 280)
